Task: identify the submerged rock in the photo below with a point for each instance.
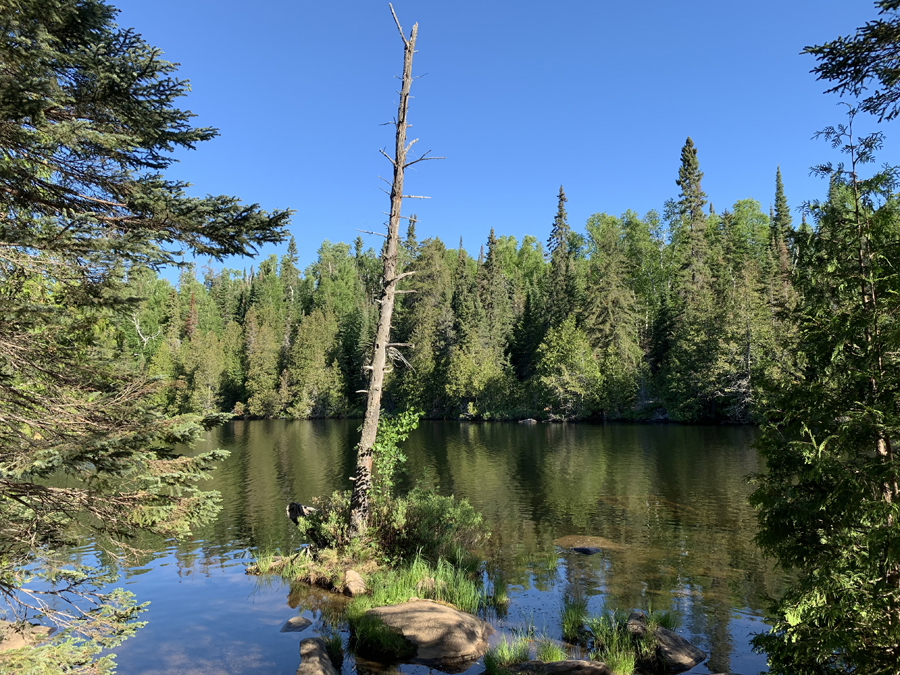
(314, 658)
(443, 637)
(674, 653)
(561, 668)
(13, 636)
(587, 550)
(587, 541)
(295, 624)
(353, 584)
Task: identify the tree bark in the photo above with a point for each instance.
(362, 486)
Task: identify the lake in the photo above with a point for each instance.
(669, 504)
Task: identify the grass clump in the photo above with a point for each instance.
(612, 643)
(574, 614)
(548, 651)
(506, 653)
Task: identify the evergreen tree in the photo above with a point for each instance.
(561, 282)
(89, 123)
(828, 500)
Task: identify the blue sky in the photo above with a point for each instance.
(520, 97)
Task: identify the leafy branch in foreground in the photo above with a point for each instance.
(87, 124)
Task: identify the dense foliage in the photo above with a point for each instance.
(636, 318)
(829, 499)
(87, 124)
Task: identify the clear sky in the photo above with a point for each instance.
(519, 96)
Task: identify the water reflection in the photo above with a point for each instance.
(667, 503)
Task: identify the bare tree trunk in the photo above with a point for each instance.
(359, 501)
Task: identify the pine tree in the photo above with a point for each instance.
(89, 123)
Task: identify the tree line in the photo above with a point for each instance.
(681, 315)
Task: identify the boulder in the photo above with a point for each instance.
(314, 658)
(296, 624)
(587, 550)
(443, 636)
(353, 584)
(561, 668)
(528, 421)
(675, 654)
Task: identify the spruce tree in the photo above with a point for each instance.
(90, 122)
(828, 501)
(561, 282)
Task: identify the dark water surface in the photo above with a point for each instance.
(669, 501)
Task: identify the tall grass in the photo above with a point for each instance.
(574, 614)
(506, 653)
(612, 643)
(548, 651)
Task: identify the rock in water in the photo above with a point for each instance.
(561, 668)
(353, 584)
(314, 658)
(444, 637)
(587, 550)
(675, 654)
(295, 624)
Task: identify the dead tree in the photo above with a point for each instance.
(362, 485)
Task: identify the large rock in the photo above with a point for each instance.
(443, 637)
(561, 668)
(675, 654)
(353, 584)
(314, 658)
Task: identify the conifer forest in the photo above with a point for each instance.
(681, 314)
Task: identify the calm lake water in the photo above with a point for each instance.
(670, 501)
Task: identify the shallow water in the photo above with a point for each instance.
(666, 504)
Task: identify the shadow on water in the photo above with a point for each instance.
(666, 505)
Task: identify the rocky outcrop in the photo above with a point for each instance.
(674, 654)
(561, 668)
(314, 658)
(443, 637)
